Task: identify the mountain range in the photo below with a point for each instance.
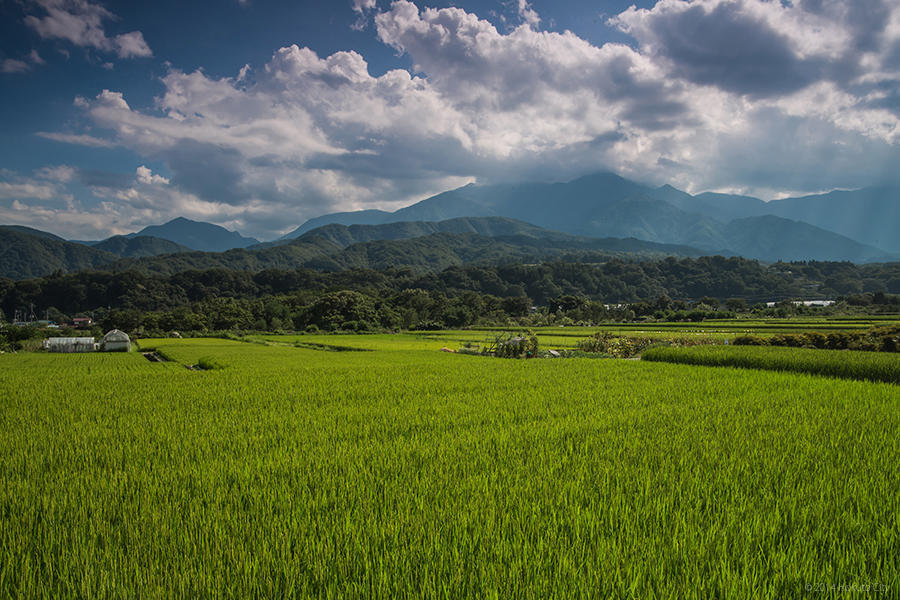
(607, 205)
(593, 217)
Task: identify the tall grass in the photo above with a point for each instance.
(847, 364)
(414, 473)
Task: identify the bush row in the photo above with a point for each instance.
(876, 339)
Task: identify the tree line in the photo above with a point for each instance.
(557, 292)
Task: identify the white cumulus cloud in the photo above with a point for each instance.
(81, 23)
(528, 14)
(147, 177)
(11, 65)
(363, 5)
(738, 94)
(132, 44)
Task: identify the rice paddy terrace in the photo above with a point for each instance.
(291, 467)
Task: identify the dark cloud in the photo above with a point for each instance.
(728, 49)
(658, 114)
(865, 19)
(212, 172)
(892, 57)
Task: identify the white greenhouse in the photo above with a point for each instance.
(69, 344)
(116, 341)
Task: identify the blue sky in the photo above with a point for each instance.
(258, 115)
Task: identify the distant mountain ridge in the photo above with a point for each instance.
(869, 215)
(607, 205)
(197, 235)
(772, 238)
(138, 246)
(359, 217)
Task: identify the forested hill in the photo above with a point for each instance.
(433, 252)
(289, 256)
(423, 246)
(345, 235)
(28, 253)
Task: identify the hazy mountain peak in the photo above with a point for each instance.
(197, 235)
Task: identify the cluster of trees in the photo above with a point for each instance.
(531, 295)
(344, 310)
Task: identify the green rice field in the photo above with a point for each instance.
(568, 337)
(296, 468)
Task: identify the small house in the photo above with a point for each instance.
(116, 341)
(69, 344)
(82, 322)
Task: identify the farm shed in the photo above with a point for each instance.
(115, 341)
(69, 344)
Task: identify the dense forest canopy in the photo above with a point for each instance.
(615, 281)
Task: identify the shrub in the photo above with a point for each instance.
(599, 342)
(604, 342)
(516, 345)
